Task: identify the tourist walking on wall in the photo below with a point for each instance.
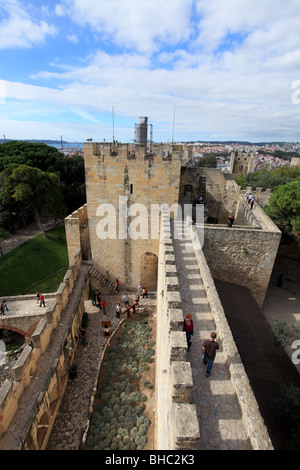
(98, 304)
(42, 301)
(117, 288)
(145, 293)
(103, 304)
(4, 305)
(209, 350)
(118, 311)
(188, 327)
(106, 278)
(125, 300)
(140, 289)
(82, 334)
(252, 203)
(230, 221)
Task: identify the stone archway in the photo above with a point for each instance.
(12, 335)
(149, 270)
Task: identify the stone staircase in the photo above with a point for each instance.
(96, 275)
(220, 421)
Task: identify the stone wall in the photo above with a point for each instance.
(193, 179)
(76, 229)
(130, 181)
(223, 195)
(36, 427)
(243, 256)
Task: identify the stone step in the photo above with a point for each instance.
(102, 278)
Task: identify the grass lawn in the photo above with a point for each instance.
(33, 262)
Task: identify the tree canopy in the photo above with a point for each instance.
(268, 178)
(29, 190)
(284, 206)
(208, 161)
(37, 155)
(70, 171)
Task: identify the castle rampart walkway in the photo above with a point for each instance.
(220, 421)
(28, 402)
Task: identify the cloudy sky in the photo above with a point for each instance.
(226, 69)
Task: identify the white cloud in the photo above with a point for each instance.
(220, 17)
(72, 37)
(17, 29)
(59, 10)
(233, 89)
(133, 24)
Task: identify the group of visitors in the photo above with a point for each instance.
(100, 302)
(209, 346)
(3, 307)
(40, 299)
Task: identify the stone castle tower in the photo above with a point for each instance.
(124, 182)
(241, 163)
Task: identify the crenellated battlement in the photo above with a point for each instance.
(133, 151)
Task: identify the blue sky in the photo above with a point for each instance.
(230, 68)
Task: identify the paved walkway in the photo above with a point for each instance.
(24, 234)
(220, 423)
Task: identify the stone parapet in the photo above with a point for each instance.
(187, 434)
(182, 382)
(176, 424)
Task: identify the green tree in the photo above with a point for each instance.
(268, 178)
(69, 169)
(34, 190)
(284, 206)
(38, 155)
(208, 161)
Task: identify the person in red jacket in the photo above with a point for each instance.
(188, 327)
(42, 300)
(103, 304)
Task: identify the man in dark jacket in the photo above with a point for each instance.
(209, 350)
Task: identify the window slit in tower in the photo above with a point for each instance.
(131, 189)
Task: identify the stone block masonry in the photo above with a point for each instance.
(115, 171)
(243, 256)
